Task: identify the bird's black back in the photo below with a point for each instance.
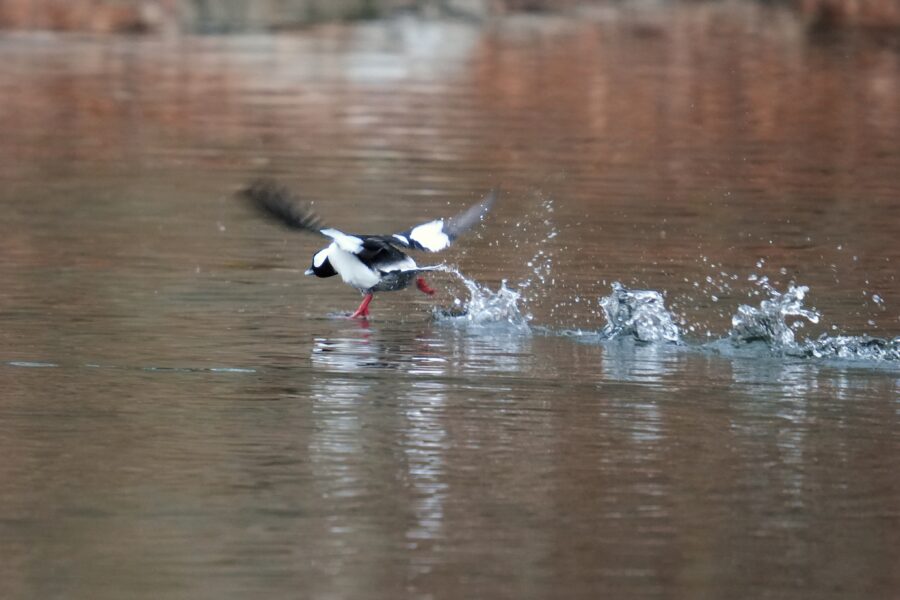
(378, 251)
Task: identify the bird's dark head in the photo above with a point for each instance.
(321, 266)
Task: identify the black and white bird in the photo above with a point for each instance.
(369, 263)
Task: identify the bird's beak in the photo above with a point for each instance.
(308, 272)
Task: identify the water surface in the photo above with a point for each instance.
(184, 415)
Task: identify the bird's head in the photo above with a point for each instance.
(321, 266)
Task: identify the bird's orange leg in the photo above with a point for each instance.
(423, 287)
(363, 310)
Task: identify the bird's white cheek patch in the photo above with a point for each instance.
(319, 258)
(430, 236)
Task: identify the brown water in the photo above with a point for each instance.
(184, 415)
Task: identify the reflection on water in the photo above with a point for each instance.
(625, 360)
(183, 416)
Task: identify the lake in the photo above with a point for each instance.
(583, 410)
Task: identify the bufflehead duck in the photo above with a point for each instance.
(369, 263)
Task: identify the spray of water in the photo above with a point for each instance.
(775, 320)
(640, 314)
(850, 347)
(484, 307)
(506, 306)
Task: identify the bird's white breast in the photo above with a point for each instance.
(351, 269)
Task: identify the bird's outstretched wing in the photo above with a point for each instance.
(278, 203)
(436, 235)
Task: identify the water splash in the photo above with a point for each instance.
(484, 306)
(506, 306)
(640, 314)
(775, 320)
(849, 347)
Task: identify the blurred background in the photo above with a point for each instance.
(264, 15)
